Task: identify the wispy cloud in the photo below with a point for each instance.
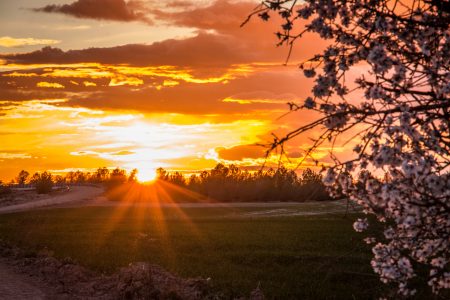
(78, 27)
(10, 42)
(9, 155)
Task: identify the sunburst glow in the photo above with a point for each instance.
(145, 175)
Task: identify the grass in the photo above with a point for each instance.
(301, 257)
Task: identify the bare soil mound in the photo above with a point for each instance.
(63, 279)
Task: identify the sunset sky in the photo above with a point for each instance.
(143, 84)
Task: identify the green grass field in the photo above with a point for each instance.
(301, 257)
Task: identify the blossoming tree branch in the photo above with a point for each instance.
(400, 169)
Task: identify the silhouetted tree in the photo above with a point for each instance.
(161, 174)
(70, 177)
(177, 178)
(22, 177)
(101, 175)
(43, 182)
(116, 178)
(132, 177)
(59, 180)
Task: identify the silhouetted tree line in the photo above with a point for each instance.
(45, 181)
(222, 183)
(232, 184)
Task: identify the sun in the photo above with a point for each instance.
(146, 175)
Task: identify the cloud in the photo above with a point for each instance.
(196, 98)
(123, 152)
(202, 50)
(264, 89)
(224, 17)
(223, 71)
(221, 15)
(262, 96)
(219, 41)
(88, 83)
(54, 85)
(241, 152)
(10, 42)
(113, 10)
(10, 155)
(123, 80)
(78, 27)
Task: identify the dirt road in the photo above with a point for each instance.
(76, 194)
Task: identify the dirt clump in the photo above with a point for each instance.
(64, 279)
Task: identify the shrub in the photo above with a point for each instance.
(42, 182)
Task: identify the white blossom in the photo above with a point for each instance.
(329, 177)
(439, 262)
(360, 225)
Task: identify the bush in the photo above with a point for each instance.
(43, 182)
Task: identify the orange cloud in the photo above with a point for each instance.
(88, 83)
(114, 10)
(10, 42)
(54, 85)
(262, 87)
(170, 83)
(241, 151)
(262, 96)
(220, 15)
(203, 49)
(122, 80)
(13, 155)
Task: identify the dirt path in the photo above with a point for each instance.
(14, 285)
(76, 194)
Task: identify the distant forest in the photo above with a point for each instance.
(224, 183)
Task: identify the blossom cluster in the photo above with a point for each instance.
(400, 172)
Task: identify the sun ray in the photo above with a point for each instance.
(174, 205)
(152, 205)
